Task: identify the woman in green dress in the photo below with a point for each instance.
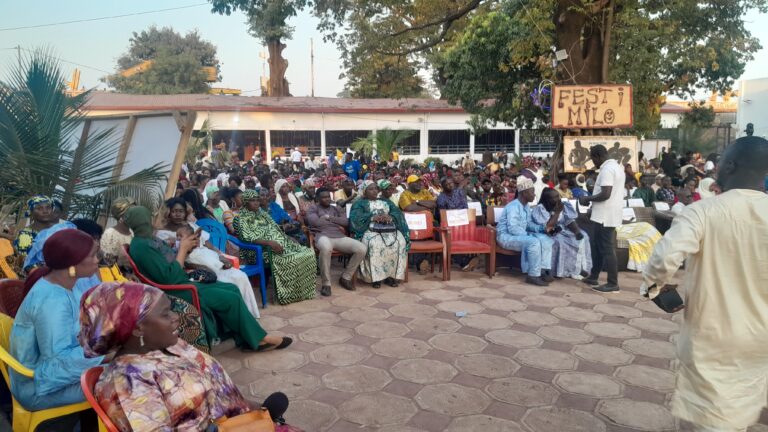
(387, 251)
(294, 267)
(224, 312)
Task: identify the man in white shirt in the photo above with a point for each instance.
(607, 205)
(296, 158)
(722, 348)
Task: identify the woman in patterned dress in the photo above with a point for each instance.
(155, 380)
(294, 267)
(387, 251)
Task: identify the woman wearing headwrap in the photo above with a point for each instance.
(285, 198)
(222, 305)
(294, 267)
(115, 237)
(571, 254)
(387, 191)
(44, 334)
(387, 251)
(41, 216)
(155, 381)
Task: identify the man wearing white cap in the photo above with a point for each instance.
(515, 232)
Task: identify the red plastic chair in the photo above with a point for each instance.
(88, 382)
(148, 281)
(429, 241)
(12, 293)
(469, 239)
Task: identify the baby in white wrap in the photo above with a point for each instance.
(201, 256)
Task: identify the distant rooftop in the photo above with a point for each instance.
(107, 101)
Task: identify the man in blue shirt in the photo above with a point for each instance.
(516, 232)
(351, 167)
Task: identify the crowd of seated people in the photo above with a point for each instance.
(277, 207)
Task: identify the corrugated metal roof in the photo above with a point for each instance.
(107, 101)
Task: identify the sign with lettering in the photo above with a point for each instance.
(576, 150)
(457, 217)
(600, 106)
(477, 206)
(416, 221)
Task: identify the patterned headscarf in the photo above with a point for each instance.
(35, 201)
(110, 311)
(384, 184)
(120, 206)
(308, 183)
(528, 161)
(251, 194)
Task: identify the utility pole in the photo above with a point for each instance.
(312, 64)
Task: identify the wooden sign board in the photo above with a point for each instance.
(576, 151)
(603, 106)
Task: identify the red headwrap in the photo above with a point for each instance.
(66, 248)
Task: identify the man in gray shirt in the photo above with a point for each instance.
(329, 224)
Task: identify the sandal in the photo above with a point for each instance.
(376, 285)
(391, 282)
(269, 347)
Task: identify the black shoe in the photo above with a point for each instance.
(546, 275)
(376, 285)
(347, 284)
(606, 288)
(391, 282)
(591, 282)
(325, 291)
(536, 280)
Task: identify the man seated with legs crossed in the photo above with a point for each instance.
(329, 224)
(515, 231)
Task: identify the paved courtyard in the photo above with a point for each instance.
(521, 358)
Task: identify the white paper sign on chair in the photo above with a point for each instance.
(457, 217)
(635, 202)
(497, 212)
(661, 206)
(416, 221)
(477, 206)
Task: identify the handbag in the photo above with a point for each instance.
(668, 299)
(378, 227)
(252, 421)
(202, 275)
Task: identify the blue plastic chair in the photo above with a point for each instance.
(219, 238)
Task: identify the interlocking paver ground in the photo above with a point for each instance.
(470, 354)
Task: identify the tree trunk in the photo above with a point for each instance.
(578, 32)
(278, 85)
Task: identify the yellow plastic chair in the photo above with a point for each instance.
(24, 420)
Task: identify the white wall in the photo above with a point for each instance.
(753, 106)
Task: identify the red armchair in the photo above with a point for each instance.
(191, 288)
(428, 241)
(468, 238)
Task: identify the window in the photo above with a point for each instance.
(342, 139)
(412, 144)
(283, 141)
(448, 141)
(538, 141)
(496, 140)
(242, 142)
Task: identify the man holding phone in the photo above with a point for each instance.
(722, 381)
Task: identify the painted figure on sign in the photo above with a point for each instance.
(621, 155)
(579, 156)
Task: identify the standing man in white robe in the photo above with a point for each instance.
(722, 380)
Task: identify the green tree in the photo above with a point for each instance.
(382, 76)
(383, 142)
(490, 56)
(41, 151)
(177, 63)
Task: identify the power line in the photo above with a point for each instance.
(61, 60)
(101, 18)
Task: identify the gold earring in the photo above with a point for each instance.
(72, 272)
(141, 340)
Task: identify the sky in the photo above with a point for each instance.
(96, 45)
